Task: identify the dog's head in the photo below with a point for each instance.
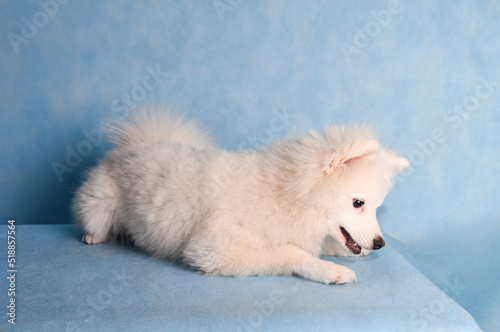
(363, 173)
(356, 175)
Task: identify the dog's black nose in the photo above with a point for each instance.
(378, 243)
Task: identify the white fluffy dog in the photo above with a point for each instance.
(267, 212)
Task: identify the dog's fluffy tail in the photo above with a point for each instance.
(159, 126)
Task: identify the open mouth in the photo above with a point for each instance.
(350, 243)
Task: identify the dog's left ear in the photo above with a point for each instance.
(354, 151)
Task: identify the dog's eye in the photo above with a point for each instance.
(357, 203)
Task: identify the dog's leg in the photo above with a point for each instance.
(95, 207)
(313, 268)
(286, 260)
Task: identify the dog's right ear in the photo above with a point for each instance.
(342, 158)
(399, 164)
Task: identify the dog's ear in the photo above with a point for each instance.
(355, 150)
(399, 164)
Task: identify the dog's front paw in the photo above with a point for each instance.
(345, 275)
(91, 239)
(337, 274)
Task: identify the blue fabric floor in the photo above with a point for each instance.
(64, 285)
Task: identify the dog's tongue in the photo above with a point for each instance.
(350, 243)
(353, 247)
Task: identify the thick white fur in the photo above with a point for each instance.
(267, 212)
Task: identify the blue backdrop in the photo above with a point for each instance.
(425, 74)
